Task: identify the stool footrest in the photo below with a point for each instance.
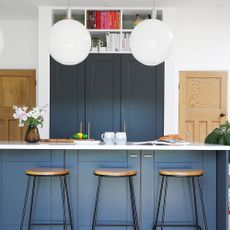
(113, 224)
(46, 223)
(179, 225)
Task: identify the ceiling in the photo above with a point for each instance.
(27, 9)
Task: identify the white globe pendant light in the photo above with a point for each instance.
(151, 41)
(2, 42)
(69, 41)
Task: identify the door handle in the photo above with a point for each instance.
(81, 127)
(133, 155)
(148, 155)
(88, 130)
(222, 115)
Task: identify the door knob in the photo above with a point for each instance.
(222, 115)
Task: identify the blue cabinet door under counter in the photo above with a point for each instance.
(115, 204)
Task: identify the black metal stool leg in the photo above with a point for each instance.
(159, 204)
(195, 203)
(32, 202)
(68, 203)
(164, 203)
(25, 203)
(63, 201)
(133, 203)
(96, 203)
(202, 204)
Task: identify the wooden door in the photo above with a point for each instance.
(17, 87)
(142, 99)
(203, 101)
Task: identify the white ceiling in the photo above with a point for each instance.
(27, 9)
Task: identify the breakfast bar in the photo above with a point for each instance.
(115, 204)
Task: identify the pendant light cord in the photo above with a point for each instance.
(154, 10)
(68, 10)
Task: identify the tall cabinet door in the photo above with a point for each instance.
(102, 93)
(66, 99)
(142, 99)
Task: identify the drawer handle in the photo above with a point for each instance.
(147, 155)
(133, 155)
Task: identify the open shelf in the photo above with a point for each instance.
(107, 40)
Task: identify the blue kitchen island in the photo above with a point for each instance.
(81, 160)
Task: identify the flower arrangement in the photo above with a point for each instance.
(32, 118)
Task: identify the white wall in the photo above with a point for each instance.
(21, 44)
(202, 42)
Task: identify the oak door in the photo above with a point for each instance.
(17, 87)
(203, 101)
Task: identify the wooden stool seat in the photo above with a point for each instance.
(47, 172)
(115, 172)
(181, 172)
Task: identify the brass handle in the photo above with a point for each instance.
(88, 131)
(81, 127)
(222, 115)
(124, 128)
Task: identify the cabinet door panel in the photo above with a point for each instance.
(66, 99)
(102, 93)
(179, 208)
(113, 197)
(142, 99)
(13, 193)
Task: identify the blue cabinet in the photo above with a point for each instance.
(114, 202)
(107, 92)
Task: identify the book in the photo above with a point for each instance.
(160, 142)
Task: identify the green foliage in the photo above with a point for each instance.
(220, 136)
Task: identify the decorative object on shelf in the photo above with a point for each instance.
(138, 20)
(69, 41)
(32, 119)
(151, 41)
(219, 135)
(2, 42)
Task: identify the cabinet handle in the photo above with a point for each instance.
(124, 128)
(81, 127)
(147, 155)
(88, 130)
(133, 155)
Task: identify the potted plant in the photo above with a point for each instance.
(219, 135)
(32, 119)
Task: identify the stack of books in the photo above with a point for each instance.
(103, 19)
(117, 42)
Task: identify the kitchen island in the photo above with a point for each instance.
(81, 160)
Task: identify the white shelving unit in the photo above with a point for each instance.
(108, 37)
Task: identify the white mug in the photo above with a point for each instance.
(120, 138)
(108, 137)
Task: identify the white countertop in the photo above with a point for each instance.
(128, 146)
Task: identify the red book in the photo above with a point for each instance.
(110, 20)
(94, 20)
(118, 20)
(106, 20)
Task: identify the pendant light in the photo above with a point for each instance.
(2, 42)
(69, 41)
(151, 41)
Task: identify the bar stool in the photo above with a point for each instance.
(116, 173)
(34, 175)
(178, 173)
